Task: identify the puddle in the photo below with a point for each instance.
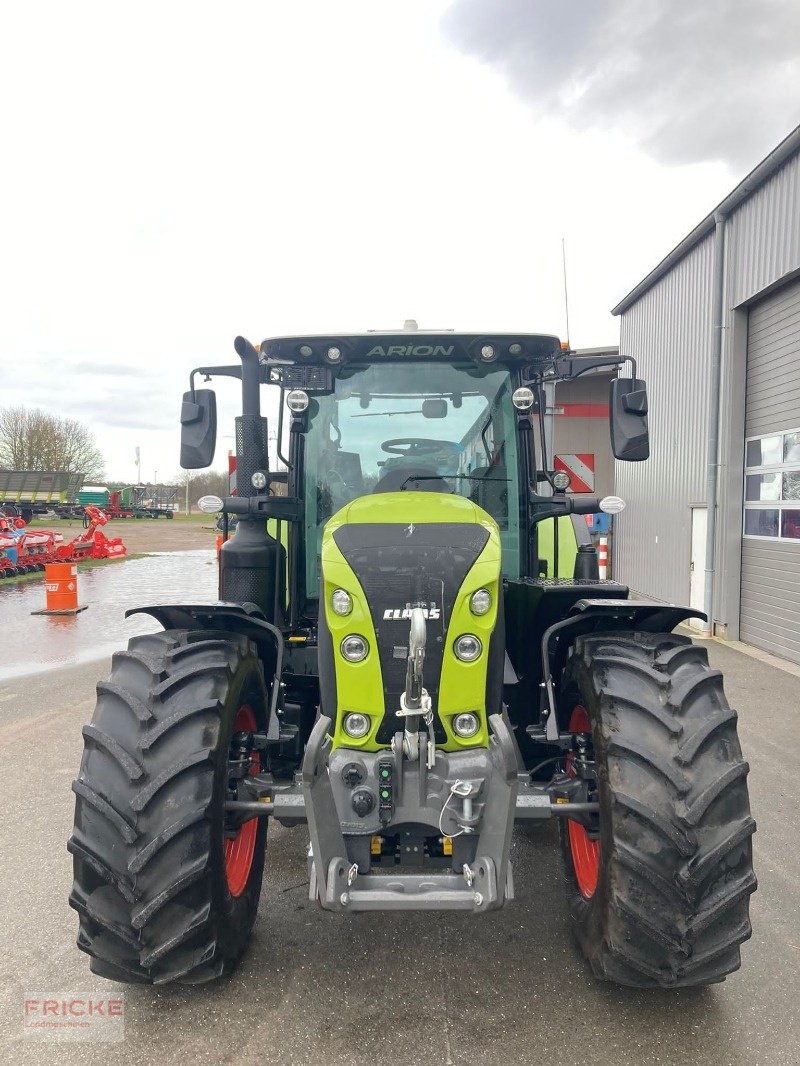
(33, 644)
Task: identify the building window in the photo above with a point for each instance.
(772, 486)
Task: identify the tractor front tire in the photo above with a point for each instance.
(162, 891)
(661, 899)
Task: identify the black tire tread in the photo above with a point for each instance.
(115, 750)
(142, 842)
(671, 908)
(125, 829)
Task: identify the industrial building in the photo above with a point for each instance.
(714, 516)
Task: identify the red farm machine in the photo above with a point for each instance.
(25, 551)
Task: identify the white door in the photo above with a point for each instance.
(697, 564)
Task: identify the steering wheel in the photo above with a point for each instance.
(415, 446)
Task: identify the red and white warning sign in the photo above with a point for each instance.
(580, 469)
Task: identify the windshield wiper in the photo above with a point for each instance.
(385, 414)
(486, 447)
(456, 477)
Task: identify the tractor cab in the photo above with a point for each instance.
(397, 427)
(415, 418)
(439, 413)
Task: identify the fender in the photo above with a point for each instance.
(246, 619)
(588, 616)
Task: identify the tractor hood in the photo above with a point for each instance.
(392, 550)
(422, 508)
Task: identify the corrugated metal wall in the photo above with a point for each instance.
(668, 333)
(669, 330)
(773, 364)
(764, 235)
(770, 586)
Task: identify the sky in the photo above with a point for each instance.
(175, 174)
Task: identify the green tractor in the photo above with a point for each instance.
(412, 651)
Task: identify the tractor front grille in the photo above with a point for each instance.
(397, 569)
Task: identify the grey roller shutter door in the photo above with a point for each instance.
(770, 592)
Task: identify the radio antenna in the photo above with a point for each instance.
(566, 294)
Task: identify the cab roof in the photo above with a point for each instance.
(334, 349)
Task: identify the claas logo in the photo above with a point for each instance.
(397, 614)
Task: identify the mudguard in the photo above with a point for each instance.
(246, 619)
(590, 615)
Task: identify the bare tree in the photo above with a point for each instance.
(31, 439)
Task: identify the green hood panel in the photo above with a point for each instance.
(388, 550)
(421, 507)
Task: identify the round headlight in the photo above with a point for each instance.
(467, 648)
(466, 725)
(354, 648)
(522, 398)
(356, 725)
(561, 480)
(487, 352)
(258, 480)
(297, 401)
(515, 349)
(480, 601)
(334, 354)
(209, 504)
(306, 351)
(341, 602)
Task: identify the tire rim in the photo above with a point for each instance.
(239, 850)
(585, 852)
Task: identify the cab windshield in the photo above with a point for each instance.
(395, 427)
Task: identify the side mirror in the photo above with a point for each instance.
(198, 429)
(628, 420)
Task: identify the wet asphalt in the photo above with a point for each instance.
(35, 644)
(509, 987)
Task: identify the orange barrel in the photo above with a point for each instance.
(220, 539)
(61, 583)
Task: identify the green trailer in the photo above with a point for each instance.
(30, 492)
(94, 494)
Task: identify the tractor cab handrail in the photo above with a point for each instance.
(559, 505)
(282, 508)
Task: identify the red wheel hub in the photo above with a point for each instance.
(239, 850)
(585, 851)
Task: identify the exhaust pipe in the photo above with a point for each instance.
(252, 564)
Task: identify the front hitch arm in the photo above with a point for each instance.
(415, 703)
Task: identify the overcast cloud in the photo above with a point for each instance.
(690, 80)
(177, 173)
